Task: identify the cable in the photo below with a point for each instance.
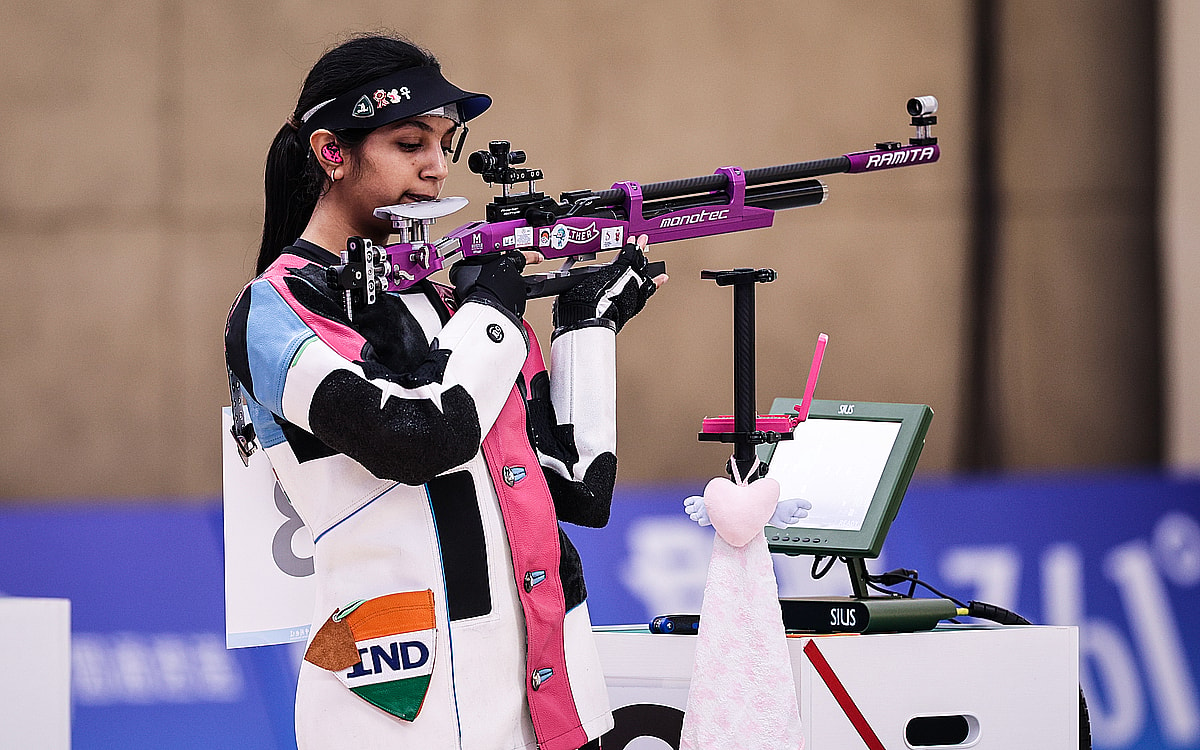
(817, 575)
(903, 575)
(985, 611)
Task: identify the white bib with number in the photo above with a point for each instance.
(269, 585)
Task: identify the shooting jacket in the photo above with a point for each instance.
(431, 455)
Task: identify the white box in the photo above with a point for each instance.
(1015, 686)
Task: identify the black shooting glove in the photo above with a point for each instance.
(494, 278)
(608, 297)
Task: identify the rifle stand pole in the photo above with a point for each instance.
(745, 414)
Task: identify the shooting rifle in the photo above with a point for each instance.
(584, 222)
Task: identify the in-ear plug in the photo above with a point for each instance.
(332, 153)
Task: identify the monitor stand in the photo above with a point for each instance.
(858, 577)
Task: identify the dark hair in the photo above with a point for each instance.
(294, 180)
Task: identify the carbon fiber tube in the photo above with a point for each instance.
(710, 182)
(744, 410)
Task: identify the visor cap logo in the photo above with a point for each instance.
(363, 107)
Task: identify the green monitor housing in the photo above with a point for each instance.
(852, 460)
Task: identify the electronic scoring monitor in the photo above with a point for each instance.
(852, 461)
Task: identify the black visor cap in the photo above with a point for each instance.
(405, 93)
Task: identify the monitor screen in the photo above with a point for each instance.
(852, 461)
(836, 465)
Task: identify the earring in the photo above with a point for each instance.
(334, 176)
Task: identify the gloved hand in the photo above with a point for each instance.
(495, 276)
(615, 294)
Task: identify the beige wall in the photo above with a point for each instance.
(131, 196)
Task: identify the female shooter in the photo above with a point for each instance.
(424, 444)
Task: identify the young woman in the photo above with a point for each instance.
(424, 443)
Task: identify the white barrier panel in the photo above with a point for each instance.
(35, 673)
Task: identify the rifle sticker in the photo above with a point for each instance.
(563, 235)
(612, 238)
(523, 236)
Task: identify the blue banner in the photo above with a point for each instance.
(1116, 554)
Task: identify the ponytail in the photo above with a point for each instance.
(292, 190)
(293, 179)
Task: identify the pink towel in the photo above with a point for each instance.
(742, 694)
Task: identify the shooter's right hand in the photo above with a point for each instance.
(493, 278)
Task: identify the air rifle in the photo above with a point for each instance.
(583, 222)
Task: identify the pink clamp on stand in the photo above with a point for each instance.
(811, 386)
(773, 427)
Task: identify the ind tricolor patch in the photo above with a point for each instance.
(382, 649)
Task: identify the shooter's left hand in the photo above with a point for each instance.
(615, 294)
